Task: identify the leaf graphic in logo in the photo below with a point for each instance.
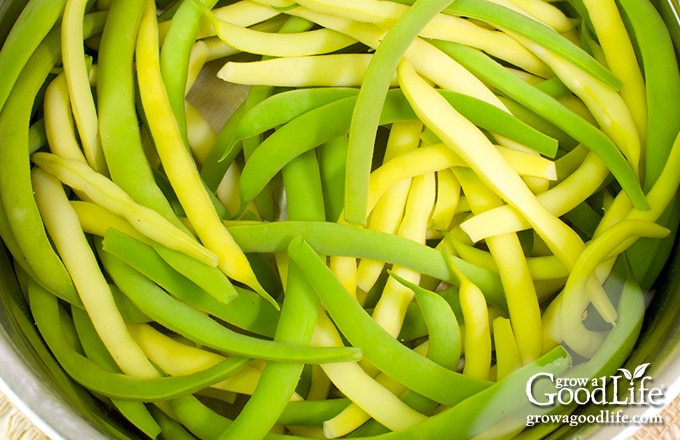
(640, 371)
(627, 374)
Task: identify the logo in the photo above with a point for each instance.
(629, 388)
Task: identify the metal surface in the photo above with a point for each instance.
(29, 385)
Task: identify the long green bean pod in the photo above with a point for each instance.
(119, 130)
(16, 192)
(183, 319)
(570, 122)
(365, 117)
(31, 26)
(355, 324)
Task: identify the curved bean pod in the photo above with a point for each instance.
(438, 384)
(196, 326)
(23, 226)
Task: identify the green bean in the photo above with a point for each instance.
(507, 19)
(196, 326)
(246, 311)
(481, 412)
(372, 95)
(444, 333)
(495, 120)
(344, 240)
(311, 412)
(135, 412)
(282, 107)
(119, 130)
(45, 308)
(209, 278)
(16, 192)
(175, 54)
(305, 201)
(37, 138)
(169, 427)
(335, 118)
(333, 166)
(32, 25)
(379, 347)
(553, 111)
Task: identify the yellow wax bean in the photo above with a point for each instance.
(507, 352)
(477, 334)
(367, 11)
(559, 200)
(103, 191)
(547, 14)
(295, 44)
(391, 308)
(388, 211)
(63, 226)
(335, 70)
(448, 195)
(507, 252)
(361, 388)
(345, 269)
(59, 128)
(484, 158)
(438, 157)
(605, 104)
(96, 220)
(579, 338)
(178, 359)
(178, 164)
(200, 134)
(240, 13)
(620, 57)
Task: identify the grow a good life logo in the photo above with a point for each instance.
(544, 390)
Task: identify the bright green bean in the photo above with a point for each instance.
(175, 54)
(553, 111)
(135, 412)
(115, 385)
(282, 107)
(415, 371)
(16, 191)
(209, 278)
(444, 332)
(505, 18)
(333, 166)
(344, 240)
(196, 326)
(247, 311)
(293, 138)
(169, 427)
(31, 26)
(119, 130)
(372, 95)
(300, 308)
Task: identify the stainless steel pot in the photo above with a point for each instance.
(35, 389)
